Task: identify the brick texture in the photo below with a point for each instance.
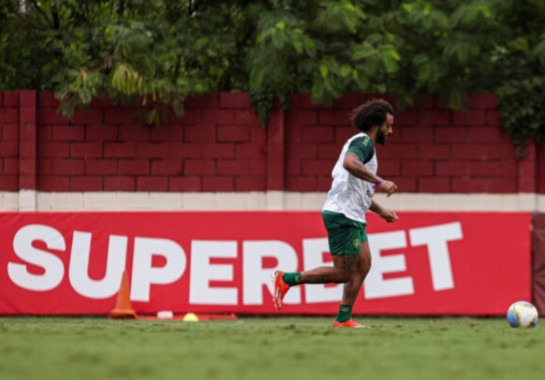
(540, 171)
(218, 144)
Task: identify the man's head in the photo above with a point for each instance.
(374, 117)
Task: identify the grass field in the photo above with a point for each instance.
(279, 348)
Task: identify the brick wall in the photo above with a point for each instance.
(9, 146)
(432, 149)
(540, 170)
(218, 145)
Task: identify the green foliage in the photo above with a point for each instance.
(523, 110)
(157, 53)
(519, 65)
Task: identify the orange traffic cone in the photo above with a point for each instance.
(123, 307)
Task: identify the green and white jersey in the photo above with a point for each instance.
(350, 195)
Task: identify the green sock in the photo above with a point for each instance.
(345, 313)
(293, 278)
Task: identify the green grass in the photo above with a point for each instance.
(278, 348)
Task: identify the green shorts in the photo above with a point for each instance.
(344, 235)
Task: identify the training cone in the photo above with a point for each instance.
(123, 308)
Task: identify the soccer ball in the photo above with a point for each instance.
(522, 314)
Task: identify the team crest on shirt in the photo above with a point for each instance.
(356, 243)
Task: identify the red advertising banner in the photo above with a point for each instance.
(441, 263)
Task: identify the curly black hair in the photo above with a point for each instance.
(371, 113)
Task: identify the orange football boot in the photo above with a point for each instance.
(280, 289)
(350, 323)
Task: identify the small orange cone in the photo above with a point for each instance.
(123, 307)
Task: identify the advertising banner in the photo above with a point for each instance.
(72, 263)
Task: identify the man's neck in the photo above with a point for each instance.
(373, 135)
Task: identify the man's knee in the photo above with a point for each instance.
(348, 267)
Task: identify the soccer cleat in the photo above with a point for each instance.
(350, 323)
(280, 289)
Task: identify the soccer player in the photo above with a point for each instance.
(348, 200)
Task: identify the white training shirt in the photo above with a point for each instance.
(350, 195)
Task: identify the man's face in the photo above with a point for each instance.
(385, 129)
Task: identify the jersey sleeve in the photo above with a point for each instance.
(363, 147)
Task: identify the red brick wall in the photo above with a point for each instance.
(218, 145)
(540, 169)
(432, 149)
(9, 145)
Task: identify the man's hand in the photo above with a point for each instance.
(388, 187)
(388, 215)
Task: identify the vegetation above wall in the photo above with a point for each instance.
(162, 51)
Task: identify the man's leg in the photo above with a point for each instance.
(345, 269)
(348, 269)
(321, 275)
(341, 272)
(351, 263)
(352, 288)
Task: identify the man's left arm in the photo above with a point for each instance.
(388, 215)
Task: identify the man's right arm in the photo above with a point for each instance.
(355, 167)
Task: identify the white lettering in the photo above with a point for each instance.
(144, 275)
(78, 271)
(254, 276)
(375, 284)
(52, 265)
(39, 266)
(202, 272)
(436, 238)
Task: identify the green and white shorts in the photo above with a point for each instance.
(344, 235)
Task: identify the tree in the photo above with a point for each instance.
(160, 52)
(519, 63)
